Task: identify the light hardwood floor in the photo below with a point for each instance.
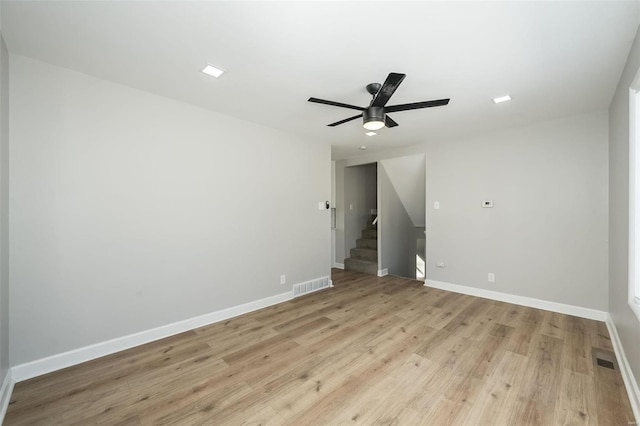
(369, 351)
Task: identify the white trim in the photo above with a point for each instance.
(338, 265)
(625, 369)
(635, 307)
(634, 207)
(577, 311)
(383, 272)
(5, 394)
(56, 362)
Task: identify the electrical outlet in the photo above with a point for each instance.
(440, 264)
(491, 277)
(436, 205)
(283, 279)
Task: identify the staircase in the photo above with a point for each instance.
(364, 258)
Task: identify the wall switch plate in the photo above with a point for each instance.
(283, 279)
(491, 277)
(487, 204)
(436, 205)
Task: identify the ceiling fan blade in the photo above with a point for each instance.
(388, 88)
(344, 121)
(338, 104)
(389, 122)
(416, 105)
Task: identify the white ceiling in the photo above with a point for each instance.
(554, 58)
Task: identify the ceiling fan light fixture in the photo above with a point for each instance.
(373, 124)
(373, 118)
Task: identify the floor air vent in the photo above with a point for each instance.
(311, 286)
(604, 359)
(604, 363)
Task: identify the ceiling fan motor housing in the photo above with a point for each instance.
(373, 114)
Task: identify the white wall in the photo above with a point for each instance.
(626, 323)
(546, 237)
(333, 206)
(4, 208)
(131, 211)
(338, 197)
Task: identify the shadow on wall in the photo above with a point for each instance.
(401, 186)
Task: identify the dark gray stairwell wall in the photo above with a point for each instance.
(360, 197)
(396, 231)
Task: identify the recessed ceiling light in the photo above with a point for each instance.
(371, 133)
(363, 147)
(212, 71)
(504, 98)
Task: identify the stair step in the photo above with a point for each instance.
(365, 254)
(361, 265)
(367, 243)
(370, 234)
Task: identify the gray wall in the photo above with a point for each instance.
(4, 208)
(136, 211)
(546, 237)
(396, 231)
(407, 175)
(360, 196)
(626, 322)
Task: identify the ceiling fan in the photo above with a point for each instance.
(375, 115)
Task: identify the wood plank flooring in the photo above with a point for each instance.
(369, 351)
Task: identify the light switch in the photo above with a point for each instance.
(436, 205)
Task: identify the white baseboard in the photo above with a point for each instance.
(546, 305)
(5, 394)
(630, 382)
(56, 362)
(338, 265)
(383, 272)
